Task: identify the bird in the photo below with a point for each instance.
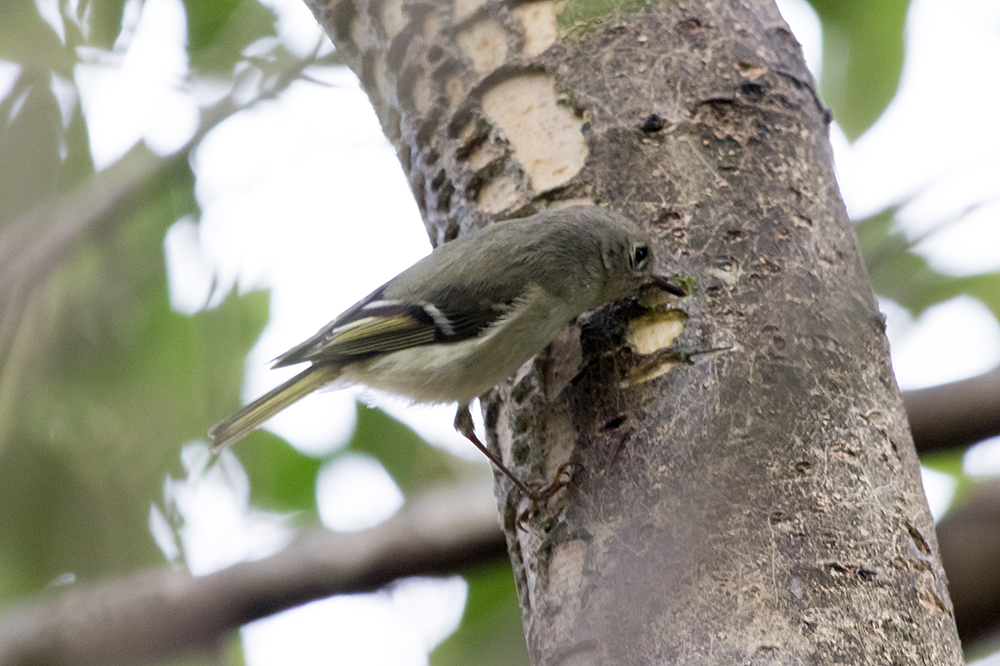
(464, 318)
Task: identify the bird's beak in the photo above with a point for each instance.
(666, 285)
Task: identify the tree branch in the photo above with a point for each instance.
(157, 614)
(38, 242)
(970, 550)
(955, 415)
(33, 246)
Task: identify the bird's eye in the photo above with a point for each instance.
(640, 253)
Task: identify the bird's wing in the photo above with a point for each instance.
(378, 325)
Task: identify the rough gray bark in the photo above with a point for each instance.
(762, 504)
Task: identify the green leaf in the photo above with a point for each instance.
(53, 522)
(896, 272)
(29, 145)
(905, 277)
(862, 58)
(411, 462)
(952, 463)
(281, 477)
(490, 633)
(985, 287)
(220, 30)
(205, 18)
(105, 22)
(117, 382)
(25, 38)
(946, 462)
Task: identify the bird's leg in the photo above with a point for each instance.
(464, 425)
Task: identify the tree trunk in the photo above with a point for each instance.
(761, 504)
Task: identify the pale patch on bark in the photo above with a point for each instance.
(540, 28)
(649, 372)
(432, 26)
(546, 136)
(454, 89)
(566, 567)
(565, 582)
(359, 32)
(381, 79)
(484, 154)
(499, 194)
(560, 439)
(651, 336)
(422, 93)
(505, 439)
(485, 44)
(392, 17)
(466, 7)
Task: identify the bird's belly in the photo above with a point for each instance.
(458, 372)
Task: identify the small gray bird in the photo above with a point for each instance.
(464, 318)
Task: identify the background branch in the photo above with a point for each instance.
(970, 550)
(955, 415)
(158, 614)
(36, 244)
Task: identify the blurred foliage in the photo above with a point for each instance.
(31, 138)
(952, 463)
(281, 477)
(105, 21)
(220, 31)
(207, 19)
(101, 382)
(118, 381)
(411, 463)
(284, 479)
(902, 275)
(862, 58)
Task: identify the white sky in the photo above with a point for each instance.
(275, 182)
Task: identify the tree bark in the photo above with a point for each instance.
(761, 503)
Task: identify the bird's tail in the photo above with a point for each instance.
(252, 416)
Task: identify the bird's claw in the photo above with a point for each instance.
(562, 479)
